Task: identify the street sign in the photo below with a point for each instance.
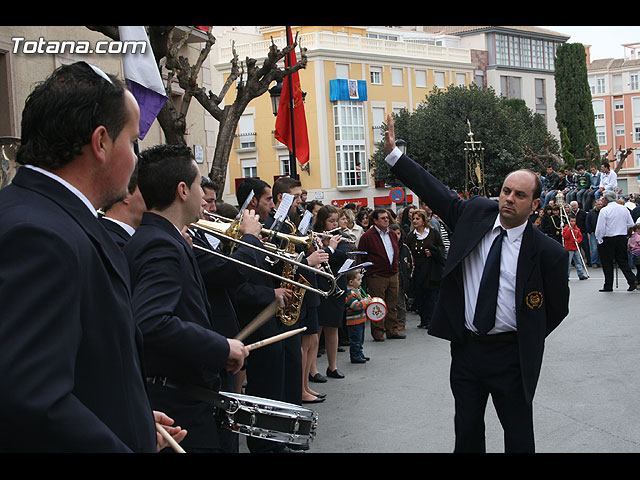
(396, 195)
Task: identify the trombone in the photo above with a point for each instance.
(220, 229)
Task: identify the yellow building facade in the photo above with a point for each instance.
(386, 71)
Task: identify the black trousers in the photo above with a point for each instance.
(480, 368)
(615, 248)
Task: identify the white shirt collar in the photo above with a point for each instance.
(514, 234)
(73, 189)
(128, 228)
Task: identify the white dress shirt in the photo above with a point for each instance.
(128, 228)
(609, 181)
(614, 219)
(473, 266)
(386, 241)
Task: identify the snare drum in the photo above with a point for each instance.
(376, 309)
(268, 419)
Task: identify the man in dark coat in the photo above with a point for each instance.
(182, 349)
(497, 342)
(72, 378)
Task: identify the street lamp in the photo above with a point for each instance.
(402, 145)
(275, 93)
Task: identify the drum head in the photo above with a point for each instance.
(376, 310)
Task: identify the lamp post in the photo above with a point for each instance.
(402, 146)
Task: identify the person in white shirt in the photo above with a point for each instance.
(608, 180)
(613, 224)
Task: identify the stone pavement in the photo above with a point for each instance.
(587, 398)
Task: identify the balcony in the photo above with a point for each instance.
(342, 43)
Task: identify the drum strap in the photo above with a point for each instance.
(199, 393)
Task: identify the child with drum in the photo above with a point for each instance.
(356, 317)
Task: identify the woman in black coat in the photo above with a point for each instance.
(428, 254)
(331, 309)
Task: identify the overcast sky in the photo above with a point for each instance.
(605, 41)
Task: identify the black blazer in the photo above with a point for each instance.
(119, 234)
(542, 290)
(171, 308)
(220, 276)
(71, 378)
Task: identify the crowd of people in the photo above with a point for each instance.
(569, 212)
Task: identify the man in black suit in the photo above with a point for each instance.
(181, 348)
(221, 275)
(72, 377)
(497, 342)
(122, 217)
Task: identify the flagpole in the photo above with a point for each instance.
(292, 153)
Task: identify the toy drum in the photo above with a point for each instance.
(376, 309)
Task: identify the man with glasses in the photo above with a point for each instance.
(381, 245)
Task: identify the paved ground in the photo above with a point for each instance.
(587, 398)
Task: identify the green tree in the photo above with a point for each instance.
(574, 110)
(436, 131)
(569, 158)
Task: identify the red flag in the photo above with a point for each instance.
(283, 120)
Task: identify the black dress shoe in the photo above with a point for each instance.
(606, 290)
(359, 360)
(334, 373)
(317, 378)
(315, 400)
(632, 287)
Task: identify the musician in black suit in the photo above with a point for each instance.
(72, 378)
(532, 300)
(122, 217)
(220, 275)
(170, 304)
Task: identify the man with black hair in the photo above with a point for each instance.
(182, 349)
(72, 378)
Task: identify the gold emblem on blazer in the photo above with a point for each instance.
(534, 299)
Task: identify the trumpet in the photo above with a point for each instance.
(221, 229)
(233, 225)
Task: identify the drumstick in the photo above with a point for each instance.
(176, 447)
(259, 320)
(275, 338)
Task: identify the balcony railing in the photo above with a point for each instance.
(330, 41)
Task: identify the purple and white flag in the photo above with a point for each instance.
(142, 76)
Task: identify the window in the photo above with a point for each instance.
(342, 70)
(246, 133)
(421, 78)
(618, 104)
(599, 84)
(351, 155)
(285, 164)
(439, 79)
(633, 81)
(510, 87)
(396, 77)
(598, 109)
(601, 135)
(619, 130)
(378, 120)
(636, 133)
(249, 167)
(540, 92)
(517, 51)
(461, 79)
(616, 83)
(375, 75)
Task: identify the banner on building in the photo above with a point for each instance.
(347, 89)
